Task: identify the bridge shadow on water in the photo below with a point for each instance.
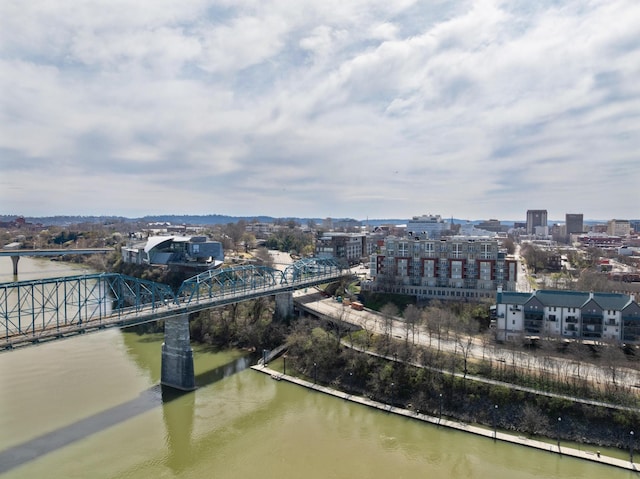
(178, 421)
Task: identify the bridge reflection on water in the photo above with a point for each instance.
(156, 396)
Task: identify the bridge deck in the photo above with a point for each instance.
(38, 329)
(53, 252)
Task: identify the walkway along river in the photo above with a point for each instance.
(438, 421)
(91, 406)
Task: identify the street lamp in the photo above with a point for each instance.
(559, 422)
(284, 364)
(440, 416)
(350, 381)
(315, 373)
(631, 446)
(495, 422)
(392, 394)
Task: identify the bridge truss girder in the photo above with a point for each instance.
(228, 282)
(309, 268)
(33, 310)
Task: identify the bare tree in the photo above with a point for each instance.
(412, 315)
(612, 359)
(389, 311)
(264, 257)
(366, 322)
(464, 333)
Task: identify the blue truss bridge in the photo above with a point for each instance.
(35, 311)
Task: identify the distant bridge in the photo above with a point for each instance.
(15, 253)
(32, 312)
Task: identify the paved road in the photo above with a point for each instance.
(487, 350)
(280, 260)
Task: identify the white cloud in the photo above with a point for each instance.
(365, 108)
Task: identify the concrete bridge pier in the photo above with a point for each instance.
(14, 260)
(177, 355)
(284, 305)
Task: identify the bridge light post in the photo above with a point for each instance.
(495, 422)
(315, 373)
(631, 435)
(440, 413)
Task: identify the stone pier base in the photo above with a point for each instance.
(177, 355)
(284, 305)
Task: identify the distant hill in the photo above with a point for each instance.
(224, 219)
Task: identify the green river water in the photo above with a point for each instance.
(91, 407)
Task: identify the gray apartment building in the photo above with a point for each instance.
(350, 247)
(452, 268)
(567, 314)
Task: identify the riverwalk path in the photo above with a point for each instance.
(594, 456)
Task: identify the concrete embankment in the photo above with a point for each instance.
(594, 456)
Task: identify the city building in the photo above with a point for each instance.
(567, 314)
(260, 230)
(575, 223)
(493, 225)
(452, 268)
(427, 226)
(599, 240)
(618, 227)
(469, 229)
(347, 246)
(177, 251)
(536, 218)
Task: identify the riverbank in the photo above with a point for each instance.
(593, 456)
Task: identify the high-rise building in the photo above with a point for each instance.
(618, 227)
(427, 226)
(535, 218)
(575, 223)
(456, 268)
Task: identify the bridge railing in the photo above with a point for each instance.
(31, 310)
(34, 308)
(242, 280)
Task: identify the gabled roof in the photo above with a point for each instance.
(566, 299)
(611, 300)
(509, 297)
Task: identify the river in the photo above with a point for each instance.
(90, 406)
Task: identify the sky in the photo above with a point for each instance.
(364, 109)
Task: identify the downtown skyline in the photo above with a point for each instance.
(476, 110)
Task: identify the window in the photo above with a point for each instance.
(456, 270)
(485, 271)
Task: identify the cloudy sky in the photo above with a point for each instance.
(382, 108)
